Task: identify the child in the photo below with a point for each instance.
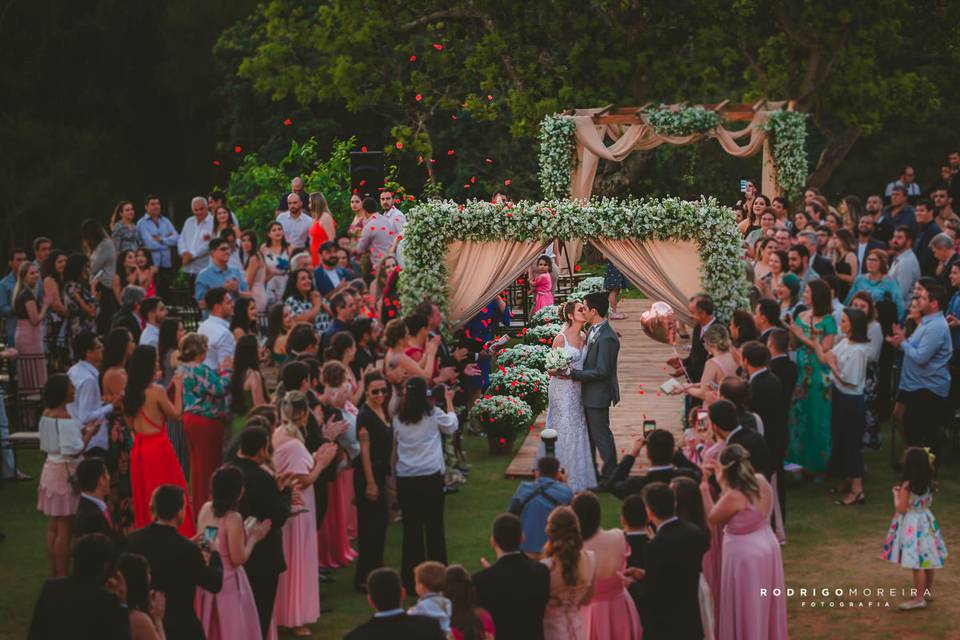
(543, 284)
(914, 540)
(633, 520)
(431, 579)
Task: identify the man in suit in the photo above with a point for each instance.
(766, 393)
(818, 263)
(600, 388)
(265, 498)
(780, 364)
(128, 316)
(85, 606)
(93, 515)
(766, 316)
(329, 277)
(633, 521)
(702, 310)
(726, 427)
(666, 463)
(514, 589)
(946, 255)
(385, 594)
(177, 565)
(866, 241)
(670, 580)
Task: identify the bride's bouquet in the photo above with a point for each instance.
(557, 360)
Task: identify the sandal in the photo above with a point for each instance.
(858, 498)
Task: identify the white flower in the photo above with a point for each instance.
(557, 359)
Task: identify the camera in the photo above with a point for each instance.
(549, 438)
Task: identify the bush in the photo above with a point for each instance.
(525, 383)
(542, 335)
(546, 315)
(528, 355)
(502, 417)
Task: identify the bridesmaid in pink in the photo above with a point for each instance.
(230, 614)
(611, 612)
(713, 558)
(751, 552)
(298, 592)
(543, 284)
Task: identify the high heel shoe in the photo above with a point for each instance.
(858, 499)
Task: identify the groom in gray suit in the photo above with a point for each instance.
(598, 379)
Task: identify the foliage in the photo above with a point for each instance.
(502, 416)
(557, 146)
(542, 334)
(528, 355)
(789, 132)
(432, 226)
(255, 187)
(530, 385)
(683, 121)
(549, 314)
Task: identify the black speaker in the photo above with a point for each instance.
(366, 173)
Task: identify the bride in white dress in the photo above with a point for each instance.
(565, 409)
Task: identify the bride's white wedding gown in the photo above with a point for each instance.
(565, 415)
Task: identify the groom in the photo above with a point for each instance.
(598, 379)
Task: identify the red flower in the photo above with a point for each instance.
(237, 149)
(216, 163)
(418, 97)
(438, 46)
(576, 268)
(503, 440)
(450, 152)
(363, 148)
(287, 122)
(399, 145)
(413, 58)
(506, 182)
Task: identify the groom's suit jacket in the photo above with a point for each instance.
(598, 377)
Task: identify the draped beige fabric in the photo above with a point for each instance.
(665, 270)
(477, 271)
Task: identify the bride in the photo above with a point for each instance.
(565, 409)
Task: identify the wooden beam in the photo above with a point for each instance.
(735, 112)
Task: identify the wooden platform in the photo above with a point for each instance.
(641, 371)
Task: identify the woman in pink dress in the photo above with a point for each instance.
(751, 553)
(571, 577)
(713, 558)
(611, 612)
(543, 284)
(298, 592)
(230, 614)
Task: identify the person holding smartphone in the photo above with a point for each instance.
(666, 463)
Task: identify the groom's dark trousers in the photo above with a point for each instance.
(600, 390)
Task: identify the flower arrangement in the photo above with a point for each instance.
(521, 382)
(549, 314)
(557, 144)
(502, 418)
(528, 355)
(557, 359)
(593, 284)
(432, 225)
(685, 121)
(542, 334)
(789, 132)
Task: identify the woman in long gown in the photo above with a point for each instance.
(28, 339)
(231, 613)
(810, 413)
(152, 461)
(324, 227)
(565, 409)
(298, 592)
(171, 333)
(611, 612)
(254, 269)
(751, 552)
(571, 577)
(117, 350)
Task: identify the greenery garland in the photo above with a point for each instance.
(788, 129)
(557, 146)
(667, 121)
(432, 226)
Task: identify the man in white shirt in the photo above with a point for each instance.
(296, 225)
(88, 407)
(154, 312)
(905, 268)
(194, 241)
(391, 213)
(220, 341)
(907, 181)
(297, 187)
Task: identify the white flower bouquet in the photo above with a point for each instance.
(557, 359)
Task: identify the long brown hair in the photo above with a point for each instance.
(460, 590)
(564, 543)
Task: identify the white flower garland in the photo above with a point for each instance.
(557, 146)
(789, 132)
(431, 226)
(684, 121)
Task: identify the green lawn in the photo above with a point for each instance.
(828, 546)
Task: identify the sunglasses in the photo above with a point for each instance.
(382, 391)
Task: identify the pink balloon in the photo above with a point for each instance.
(659, 323)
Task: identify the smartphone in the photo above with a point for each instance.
(743, 185)
(787, 319)
(702, 415)
(209, 537)
(648, 426)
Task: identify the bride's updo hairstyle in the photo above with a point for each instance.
(565, 310)
(738, 473)
(564, 543)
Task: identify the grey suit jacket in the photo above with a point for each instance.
(599, 373)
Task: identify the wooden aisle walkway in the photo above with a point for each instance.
(641, 372)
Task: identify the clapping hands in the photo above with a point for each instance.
(333, 428)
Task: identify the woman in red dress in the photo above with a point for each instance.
(324, 227)
(152, 461)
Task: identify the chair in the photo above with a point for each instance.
(29, 374)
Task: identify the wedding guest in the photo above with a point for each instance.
(204, 401)
(125, 273)
(8, 283)
(377, 236)
(542, 284)
(430, 578)
(146, 606)
(778, 262)
(244, 321)
(766, 248)
(158, 236)
(725, 424)
(247, 388)
(572, 570)
(716, 342)
(329, 277)
(254, 269)
(344, 311)
(85, 605)
(788, 295)
(689, 508)
(701, 308)
(633, 521)
(397, 365)
(669, 582)
(153, 463)
(93, 515)
(371, 469)
(845, 260)
(103, 257)
(809, 422)
(611, 612)
(171, 333)
(877, 283)
(276, 257)
(904, 268)
(385, 594)
(468, 621)
(123, 229)
(945, 251)
(177, 565)
(219, 274)
(28, 337)
(666, 463)
(780, 364)
(533, 501)
(296, 225)
(864, 303)
(116, 354)
(324, 227)
(751, 553)
(419, 470)
(766, 317)
(52, 272)
(298, 597)
(231, 612)
(305, 302)
(62, 439)
(766, 399)
(154, 312)
(279, 324)
(87, 406)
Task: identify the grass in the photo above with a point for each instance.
(828, 546)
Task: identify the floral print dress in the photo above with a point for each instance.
(810, 417)
(77, 321)
(914, 540)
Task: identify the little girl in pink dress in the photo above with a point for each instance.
(543, 284)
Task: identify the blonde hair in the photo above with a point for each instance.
(738, 473)
(564, 543)
(192, 346)
(21, 278)
(717, 337)
(318, 205)
(292, 407)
